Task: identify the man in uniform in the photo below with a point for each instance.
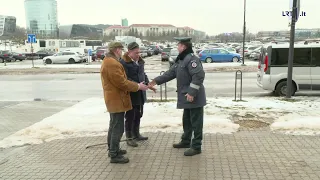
(190, 75)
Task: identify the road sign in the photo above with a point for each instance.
(32, 38)
(298, 9)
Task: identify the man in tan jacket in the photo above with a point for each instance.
(117, 88)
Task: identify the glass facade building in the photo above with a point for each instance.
(124, 22)
(7, 25)
(80, 31)
(42, 18)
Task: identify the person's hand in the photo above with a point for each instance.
(143, 87)
(189, 98)
(152, 83)
(153, 89)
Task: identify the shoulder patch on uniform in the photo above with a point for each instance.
(192, 54)
(194, 64)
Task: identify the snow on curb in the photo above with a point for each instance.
(89, 118)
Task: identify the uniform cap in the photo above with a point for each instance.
(183, 39)
(133, 45)
(115, 44)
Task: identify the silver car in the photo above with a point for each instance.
(173, 56)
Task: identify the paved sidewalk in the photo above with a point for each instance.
(241, 156)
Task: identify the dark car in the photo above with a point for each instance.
(101, 53)
(149, 51)
(18, 56)
(5, 56)
(165, 54)
(156, 49)
(39, 54)
(44, 53)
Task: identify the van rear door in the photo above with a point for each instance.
(262, 66)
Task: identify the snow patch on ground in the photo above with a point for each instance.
(229, 64)
(89, 118)
(295, 124)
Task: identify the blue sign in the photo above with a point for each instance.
(32, 38)
(90, 52)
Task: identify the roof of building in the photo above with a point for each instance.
(152, 25)
(118, 27)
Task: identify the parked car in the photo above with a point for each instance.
(149, 51)
(165, 54)
(101, 53)
(18, 56)
(156, 49)
(218, 55)
(143, 52)
(173, 56)
(63, 57)
(255, 55)
(5, 56)
(232, 50)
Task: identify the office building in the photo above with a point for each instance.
(80, 31)
(7, 25)
(124, 22)
(42, 18)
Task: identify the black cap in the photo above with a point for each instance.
(133, 45)
(183, 39)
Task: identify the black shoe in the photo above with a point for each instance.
(120, 152)
(132, 143)
(120, 159)
(192, 152)
(181, 145)
(141, 138)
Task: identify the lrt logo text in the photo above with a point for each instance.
(289, 13)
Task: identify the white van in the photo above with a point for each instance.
(273, 67)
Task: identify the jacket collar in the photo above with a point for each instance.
(112, 56)
(128, 59)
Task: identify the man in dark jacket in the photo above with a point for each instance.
(190, 75)
(134, 67)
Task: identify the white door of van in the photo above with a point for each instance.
(315, 69)
(302, 68)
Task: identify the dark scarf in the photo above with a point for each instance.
(184, 53)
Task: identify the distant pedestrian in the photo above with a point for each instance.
(134, 66)
(116, 88)
(190, 75)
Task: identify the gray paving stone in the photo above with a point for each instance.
(243, 155)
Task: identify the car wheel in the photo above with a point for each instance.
(48, 61)
(281, 89)
(209, 60)
(1, 60)
(235, 59)
(72, 61)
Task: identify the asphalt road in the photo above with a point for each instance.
(82, 86)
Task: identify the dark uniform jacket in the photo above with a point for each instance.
(190, 75)
(135, 72)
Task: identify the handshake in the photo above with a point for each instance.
(144, 87)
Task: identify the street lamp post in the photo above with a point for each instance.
(244, 30)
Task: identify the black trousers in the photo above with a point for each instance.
(192, 122)
(133, 118)
(116, 129)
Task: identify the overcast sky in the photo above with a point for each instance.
(211, 16)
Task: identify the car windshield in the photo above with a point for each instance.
(5, 52)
